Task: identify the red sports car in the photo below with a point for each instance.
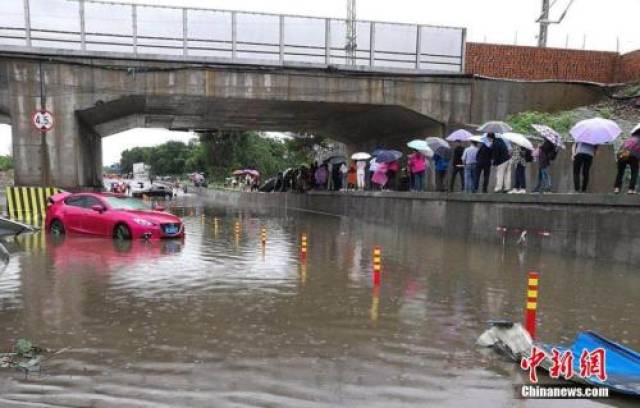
(109, 215)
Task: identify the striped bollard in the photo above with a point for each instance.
(377, 265)
(263, 236)
(303, 247)
(532, 303)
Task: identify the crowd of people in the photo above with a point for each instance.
(466, 165)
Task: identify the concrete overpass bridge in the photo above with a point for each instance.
(393, 90)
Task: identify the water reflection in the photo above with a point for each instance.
(221, 320)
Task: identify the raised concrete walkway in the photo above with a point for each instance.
(602, 226)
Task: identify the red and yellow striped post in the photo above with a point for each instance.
(532, 304)
(303, 247)
(377, 265)
(263, 236)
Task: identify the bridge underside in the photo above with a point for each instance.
(93, 97)
(353, 124)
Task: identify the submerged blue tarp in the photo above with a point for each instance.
(622, 363)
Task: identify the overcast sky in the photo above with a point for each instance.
(598, 24)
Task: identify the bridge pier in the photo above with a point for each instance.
(70, 154)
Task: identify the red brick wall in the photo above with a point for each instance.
(629, 67)
(533, 63)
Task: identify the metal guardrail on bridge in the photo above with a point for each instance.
(102, 26)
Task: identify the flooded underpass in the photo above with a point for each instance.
(219, 320)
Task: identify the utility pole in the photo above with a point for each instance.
(351, 44)
(544, 24)
(544, 21)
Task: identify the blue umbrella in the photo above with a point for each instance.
(377, 152)
(387, 156)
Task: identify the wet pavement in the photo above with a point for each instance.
(216, 320)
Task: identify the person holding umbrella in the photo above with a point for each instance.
(483, 162)
(417, 168)
(628, 156)
(418, 163)
(520, 157)
(469, 162)
(458, 167)
(361, 168)
(583, 154)
(546, 154)
(587, 134)
(501, 159)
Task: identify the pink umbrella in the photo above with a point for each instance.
(238, 173)
(460, 135)
(254, 173)
(595, 131)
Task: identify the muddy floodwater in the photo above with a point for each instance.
(218, 321)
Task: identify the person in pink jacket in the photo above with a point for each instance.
(380, 176)
(417, 167)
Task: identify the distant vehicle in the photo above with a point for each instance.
(109, 215)
(152, 190)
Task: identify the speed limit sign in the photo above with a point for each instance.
(43, 120)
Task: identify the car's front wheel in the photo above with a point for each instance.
(57, 227)
(122, 232)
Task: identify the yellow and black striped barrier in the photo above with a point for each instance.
(28, 204)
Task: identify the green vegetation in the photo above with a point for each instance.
(561, 121)
(6, 163)
(219, 153)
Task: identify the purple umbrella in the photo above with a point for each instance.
(460, 135)
(595, 131)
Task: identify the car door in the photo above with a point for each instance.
(94, 222)
(73, 213)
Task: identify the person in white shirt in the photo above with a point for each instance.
(361, 167)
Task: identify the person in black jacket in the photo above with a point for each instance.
(483, 163)
(501, 158)
(458, 167)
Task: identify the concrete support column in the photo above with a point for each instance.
(73, 152)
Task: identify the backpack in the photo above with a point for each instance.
(623, 154)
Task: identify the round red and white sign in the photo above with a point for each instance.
(43, 120)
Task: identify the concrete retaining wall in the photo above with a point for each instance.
(606, 227)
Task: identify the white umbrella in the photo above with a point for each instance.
(495, 127)
(595, 131)
(360, 156)
(517, 138)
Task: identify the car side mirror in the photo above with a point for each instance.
(98, 208)
(158, 207)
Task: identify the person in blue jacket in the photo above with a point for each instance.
(441, 166)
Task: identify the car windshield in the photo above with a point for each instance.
(124, 203)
